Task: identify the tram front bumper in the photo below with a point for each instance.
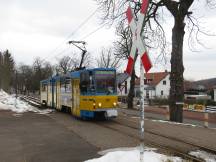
(108, 112)
(111, 113)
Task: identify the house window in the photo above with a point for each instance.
(147, 94)
(145, 81)
(164, 82)
(150, 80)
(161, 93)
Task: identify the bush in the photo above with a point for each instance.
(210, 103)
(191, 102)
(201, 102)
(158, 101)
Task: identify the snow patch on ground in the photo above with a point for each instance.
(175, 123)
(9, 102)
(208, 157)
(124, 149)
(133, 155)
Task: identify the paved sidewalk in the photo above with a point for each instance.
(38, 138)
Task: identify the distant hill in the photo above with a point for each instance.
(208, 83)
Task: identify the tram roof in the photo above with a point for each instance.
(46, 81)
(51, 79)
(74, 74)
(103, 69)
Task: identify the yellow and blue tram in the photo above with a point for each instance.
(87, 93)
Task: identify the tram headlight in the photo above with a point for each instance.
(114, 104)
(94, 105)
(99, 104)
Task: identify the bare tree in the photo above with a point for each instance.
(41, 70)
(24, 78)
(65, 64)
(113, 11)
(107, 59)
(123, 44)
(122, 51)
(179, 12)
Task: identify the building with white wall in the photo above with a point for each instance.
(123, 84)
(156, 85)
(215, 93)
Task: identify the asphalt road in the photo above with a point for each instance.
(39, 138)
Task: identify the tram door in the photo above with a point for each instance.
(58, 95)
(53, 105)
(54, 95)
(75, 97)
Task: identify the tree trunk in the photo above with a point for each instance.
(177, 70)
(131, 91)
(131, 95)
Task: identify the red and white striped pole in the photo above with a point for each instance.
(143, 63)
(138, 45)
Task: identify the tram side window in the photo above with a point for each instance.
(68, 86)
(84, 82)
(62, 86)
(44, 87)
(65, 86)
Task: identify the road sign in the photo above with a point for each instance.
(137, 43)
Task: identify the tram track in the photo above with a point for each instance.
(164, 149)
(120, 122)
(204, 148)
(128, 126)
(31, 100)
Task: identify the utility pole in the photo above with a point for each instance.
(82, 48)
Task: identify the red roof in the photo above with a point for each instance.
(154, 77)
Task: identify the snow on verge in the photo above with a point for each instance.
(208, 157)
(9, 102)
(134, 156)
(175, 123)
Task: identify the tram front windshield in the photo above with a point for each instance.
(105, 82)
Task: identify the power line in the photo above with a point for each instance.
(60, 53)
(71, 34)
(86, 36)
(94, 31)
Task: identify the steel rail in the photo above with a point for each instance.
(204, 148)
(149, 143)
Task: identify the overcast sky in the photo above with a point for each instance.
(41, 28)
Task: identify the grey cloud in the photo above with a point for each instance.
(52, 17)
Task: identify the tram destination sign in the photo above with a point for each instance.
(105, 72)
